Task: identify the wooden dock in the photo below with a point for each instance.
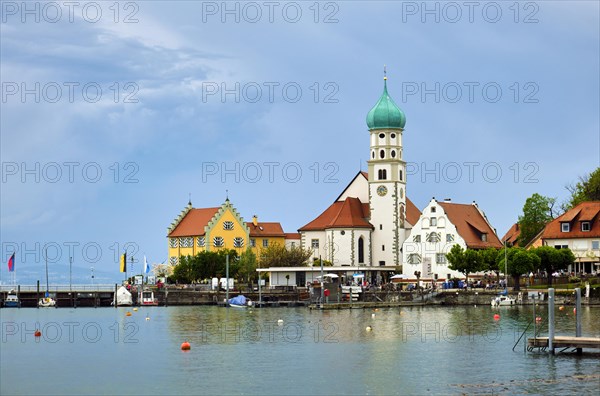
(564, 342)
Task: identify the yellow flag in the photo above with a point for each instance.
(123, 262)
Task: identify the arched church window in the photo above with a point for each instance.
(381, 154)
(361, 250)
(382, 174)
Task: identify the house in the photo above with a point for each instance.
(512, 235)
(441, 226)
(579, 230)
(206, 229)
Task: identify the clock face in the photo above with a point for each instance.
(382, 190)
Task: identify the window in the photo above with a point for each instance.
(393, 136)
(414, 258)
(393, 153)
(238, 242)
(381, 226)
(565, 227)
(314, 243)
(561, 246)
(381, 154)
(186, 242)
(417, 238)
(382, 263)
(265, 242)
(343, 232)
(383, 248)
(595, 245)
(361, 250)
(400, 174)
(201, 241)
(228, 225)
(449, 237)
(293, 244)
(173, 260)
(433, 209)
(484, 237)
(252, 242)
(173, 242)
(373, 154)
(585, 226)
(381, 136)
(382, 174)
(434, 237)
(218, 241)
(440, 258)
(433, 222)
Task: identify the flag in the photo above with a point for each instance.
(11, 263)
(124, 262)
(146, 266)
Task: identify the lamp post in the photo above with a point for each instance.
(92, 268)
(70, 275)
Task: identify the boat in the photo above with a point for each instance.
(46, 301)
(12, 300)
(240, 302)
(503, 300)
(123, 297)
(148, 298)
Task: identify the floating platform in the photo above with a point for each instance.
(564, 342)
(365, 305)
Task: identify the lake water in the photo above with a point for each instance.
(412, 350)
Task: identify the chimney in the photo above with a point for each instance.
(255, 220)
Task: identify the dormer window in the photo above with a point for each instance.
(484, 237)
(433, 209)
(565, 227)
(228, 225)
(585, 226)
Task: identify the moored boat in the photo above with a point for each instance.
(240, 302)
(503, 300)
(148, 298)
(123, 297)
(12, 300)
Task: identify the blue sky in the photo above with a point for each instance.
(110, 120)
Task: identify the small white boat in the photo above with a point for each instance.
(148, 298)
(46, 302)
(12, 301)
(123, 297)
(501, 301)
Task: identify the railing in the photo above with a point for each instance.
(59, 288)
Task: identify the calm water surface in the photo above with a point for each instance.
(416, 350)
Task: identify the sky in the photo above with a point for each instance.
(114, 114)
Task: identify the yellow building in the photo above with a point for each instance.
(209, 229)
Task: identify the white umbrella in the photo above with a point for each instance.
(399, 276)
(330, 276)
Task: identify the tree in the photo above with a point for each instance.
(537, 212)
(520, 261)
(586, 189)
(247, 265)
(184, 271)
(551, 260)
(276, 255)
(296, 256)
(464, 261)
(568, 258)
(489, 262)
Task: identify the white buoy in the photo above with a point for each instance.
(280, 322)
(369, 328)
(372, 315)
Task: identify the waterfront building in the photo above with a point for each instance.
(579, 230)
(368, 222)
(208, 229)
(512, 235)
(441, 226)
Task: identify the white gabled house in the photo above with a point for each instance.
(441, 226)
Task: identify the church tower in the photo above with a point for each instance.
(387, 180)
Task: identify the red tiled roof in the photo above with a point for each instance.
(512, 235)
(263, 229)
(292, 235)
(470, 224)
(194, 222)
(412, 212)
(350, 213)
(585, 211)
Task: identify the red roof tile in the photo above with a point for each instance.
(412, 212)
(585, 211)
(470, 224)
(350, 213)
(512, 235)
(292, 235)
(263, 229)
(194, 222)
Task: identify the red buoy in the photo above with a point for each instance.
(496, 317)
(185, 346)
(37, 333)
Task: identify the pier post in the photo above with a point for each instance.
(578, 316)
(37, 295)
(551, 320)
(115, 296)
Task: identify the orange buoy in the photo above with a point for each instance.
(185, 346)
(574, 310)
(538, 318)
(128, 314)
(496, 317)
(561, 308)
(37, 333)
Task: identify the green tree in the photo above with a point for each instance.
(551, 260)
(568, 258)
(297, 257)
(247, 266)
(464, 261)
(489, 262)
(184, 271)
(537, 212)
(276, 255)
(520, 261)
(586, 189)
